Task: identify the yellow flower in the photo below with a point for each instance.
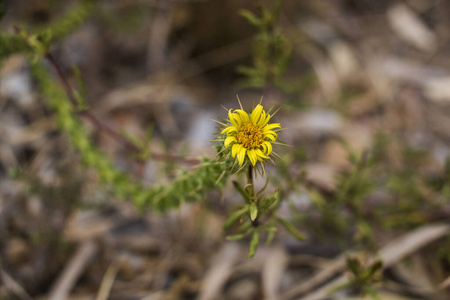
(250, 135)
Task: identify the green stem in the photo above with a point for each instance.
(255, 222)
(250, 181)
(244, 194)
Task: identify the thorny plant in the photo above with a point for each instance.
(248, 138)
(70, 106)
(416, 197)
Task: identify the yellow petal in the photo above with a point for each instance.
(235, 149)
(271, 135)
(256, 114)
(262, 118)
(243, 115)
(252, 155)
(266, 120)
(270, 132)
(228, 130)
(237, 119)
(229, 140)
(259, 153)
(241, 155)
(271, 126)
(234, 119)
(267, 146)
(264, 146)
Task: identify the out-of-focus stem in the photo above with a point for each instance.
(105, 127)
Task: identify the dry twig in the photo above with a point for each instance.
(389, 254)
(73, 270)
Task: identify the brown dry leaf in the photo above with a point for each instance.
(390, 254)
(219, 272)
(406, 24)
(385, 296)
(84, 225)
(333, 267)
(358, 138)
(273, 269)
(438, 89)
(315, 122)
(413, 272)
(321, 174)
(242, 289)
(363, 104)
(73, 270)
(344, 59)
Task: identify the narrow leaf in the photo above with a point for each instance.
(253, 211)
(267, 202)
(291, 229)
(253, 244)
(235, 237)
(236, 215)
(373, 271)
(272, 230)
(354, 265)
(250, 17)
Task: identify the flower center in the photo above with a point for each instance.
(250, 136)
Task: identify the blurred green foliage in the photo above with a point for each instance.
(363, 278)
(271, 51)
(35, 42)
(187, 187)
(414, 196)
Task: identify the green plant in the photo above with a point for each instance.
(363, 277)
(248, 139)
(271, 51)
(70, 106)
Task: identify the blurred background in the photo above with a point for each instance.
(363, 88)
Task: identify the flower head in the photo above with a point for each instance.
(250, 135)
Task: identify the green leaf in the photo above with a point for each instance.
(373, 293)
(253, 211)
(373, 271)
(250, 17)
(253, 244)
(267, 202)
(272, 230)
(317, 199)
(80, 94)
(70, 21)
(276, 8)
(235, 237)
(354, 265)
(236, 215)
(245, 226)
(291, 229)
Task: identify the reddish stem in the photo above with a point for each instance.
(105, 127)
